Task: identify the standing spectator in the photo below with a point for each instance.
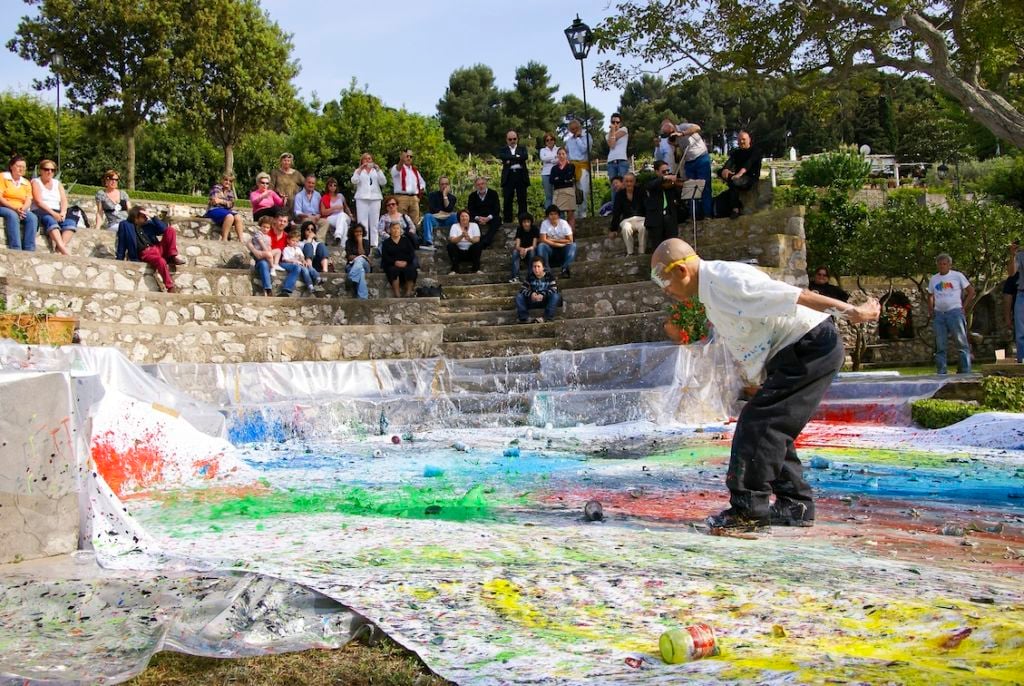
(262, 253)
(694, 159)
(577, 144)
(662, 202)
(618, 141)
(485, 209)
(548, 156)
(820, 284)
(741, 173)
(335, 211)
(464, 243)
(50, 205)
(313, 250)
(408, 184)
(629, 208)
(286, 181)
(368, 180)
(539, 290)
(112, 204)
(949, 295)
(398, 261)
(298, 267)
(441, 204)
(307, 203)
(220, 208)
(525, 244)
(392, 215)
(144, 238)
(357, 258)
(16, 205)
(563, 181)
(556, 241)
(515, 177)
(1017, 321)
(264, 200)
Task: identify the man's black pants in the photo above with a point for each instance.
(764, 459)
(519, 190)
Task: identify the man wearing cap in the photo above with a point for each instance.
(409, 186)
(144, 238)
(286, 181)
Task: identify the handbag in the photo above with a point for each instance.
(429, 292)
(579, 195)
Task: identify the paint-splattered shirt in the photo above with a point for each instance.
(754, 315)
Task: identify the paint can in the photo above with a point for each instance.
(687, 644)
(593, 511)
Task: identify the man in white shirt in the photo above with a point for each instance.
(409, 186)
(949, 294)
(693, 158)
(556, 241)
(618, 141)
(788, 350)
(577, 145)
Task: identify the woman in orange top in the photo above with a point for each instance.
(15, 203)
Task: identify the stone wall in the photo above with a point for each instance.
(775, 238)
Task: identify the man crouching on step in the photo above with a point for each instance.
(785, 341)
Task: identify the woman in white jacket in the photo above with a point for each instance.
(368, 179)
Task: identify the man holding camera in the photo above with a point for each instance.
(691, 154)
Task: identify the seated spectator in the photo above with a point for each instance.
(539, 290)
(525, 244)
(556, 241)
(441, 205)
(820, 284)
(357, 259)
(16, 206)
(485, 210)
(264, 200)
(464, 243)
(220, 208)
(740, 173)
(563, 183)
(279, 237)
(629, 207)
(262, 253)
(143, 238)
(112, 204)
(298, 267)
(306, 206)
(606, 209)
(393, 216)
(398, 261)
(50, 205)
(312, 248)
(335, 211)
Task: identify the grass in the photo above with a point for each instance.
(903, 371)
(357, 664)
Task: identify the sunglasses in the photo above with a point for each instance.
(114, 178)
(264, 183)
(49, 169)
(513, 139)
(392, 204)
(616, 121)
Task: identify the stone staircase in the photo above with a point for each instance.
(217, 316)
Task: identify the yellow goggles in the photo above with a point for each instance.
(657, 272)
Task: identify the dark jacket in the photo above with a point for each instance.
(562, 178)
(749, 159)
(489, 206)
(662, 206)
(624, 208)
(132, 240)
(510, 176)
(546, 285)
(435, 203)
(391, 252)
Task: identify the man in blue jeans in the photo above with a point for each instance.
(1017, 303)
(949, 295)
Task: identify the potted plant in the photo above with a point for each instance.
(41, 327)
(687, 321)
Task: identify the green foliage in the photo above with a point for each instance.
(690, 317)
(1000, 176)
(936, 414)
(840, 170)
(791, 196)
(173, 158)
(468, 111)
(1002, 393)
(570, 107)
(831, 228)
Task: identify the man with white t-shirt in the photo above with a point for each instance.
(949, 295)
(788, 350)
(556, 241)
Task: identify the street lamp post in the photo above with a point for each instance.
(580, 38)
(58, 63)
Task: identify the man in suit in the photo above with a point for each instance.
(485, 209)
(515, 177)
(662, 216)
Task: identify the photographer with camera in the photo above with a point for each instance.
(682, 147)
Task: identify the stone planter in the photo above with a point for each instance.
(37, 329)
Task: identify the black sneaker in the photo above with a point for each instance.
(732, 519)
(790, 513)
(566, 274)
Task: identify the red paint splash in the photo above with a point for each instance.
(134, 469)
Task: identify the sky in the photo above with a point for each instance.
(404, 50)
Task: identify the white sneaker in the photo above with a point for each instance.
(278, 268)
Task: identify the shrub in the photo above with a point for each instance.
(841, 170)
(1003, 393)
(936, 414)
(790, 196)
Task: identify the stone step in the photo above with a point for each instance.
(498, 332)
(101, 243)
(497, 349)
(231, 344)
(624, 298)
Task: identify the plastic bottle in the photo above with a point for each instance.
(689, 643)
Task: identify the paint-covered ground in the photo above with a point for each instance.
(481, 562)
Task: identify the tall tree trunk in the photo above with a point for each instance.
(129, 140)
(229, 159)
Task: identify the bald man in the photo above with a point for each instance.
(789, 350)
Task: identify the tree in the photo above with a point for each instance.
(530, 106)
(121, 69)
(468, 112)
(236, 73)
(174, 157)
(972, 49)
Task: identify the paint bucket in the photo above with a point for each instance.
(687, 644)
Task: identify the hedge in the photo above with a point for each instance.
(936, 414)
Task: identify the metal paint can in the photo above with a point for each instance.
(687, 644)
